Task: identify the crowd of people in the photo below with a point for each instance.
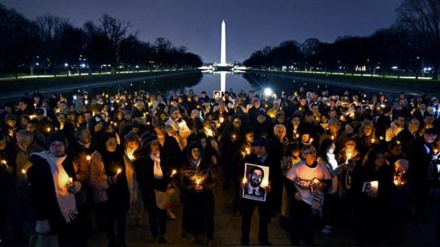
(70, 164)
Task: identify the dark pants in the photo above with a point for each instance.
(70, 234)
(113, 215)
(304, 223)
(197, 212)
(157, 217)
(248, 207)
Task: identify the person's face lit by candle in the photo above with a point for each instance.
(368, 130)
(195, 153)
(57, 148)
(309, 154)
(249, 137)
(154, 147)
(331, 149)
(380, 160)
(111, 144)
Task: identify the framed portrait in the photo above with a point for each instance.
(256, 178)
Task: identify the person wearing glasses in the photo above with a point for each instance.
(53, 185)
(306, 182)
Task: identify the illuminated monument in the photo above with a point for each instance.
(223, 65)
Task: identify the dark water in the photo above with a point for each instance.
(209, 82)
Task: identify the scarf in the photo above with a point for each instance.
(66, 200)
(158, 174)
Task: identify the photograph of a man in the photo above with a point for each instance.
(253, 184)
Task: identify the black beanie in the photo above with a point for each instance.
(57, 136)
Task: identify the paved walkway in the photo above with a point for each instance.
(227, 230)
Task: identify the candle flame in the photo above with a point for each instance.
(88, 157)
(70, 180)
(374, 184)
(244, 180)
(173, 173)
(23, 171)
(119, 171)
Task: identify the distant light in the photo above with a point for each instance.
(83, 65)
(137, 66)
(268, 92)
(66, 64)
(394, 67)
(37, 64)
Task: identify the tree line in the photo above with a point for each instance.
(52, 45)
(411, 46)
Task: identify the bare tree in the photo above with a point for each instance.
(422, 18)
(115, 31)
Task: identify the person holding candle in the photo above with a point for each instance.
(373, 186)
(401, 202)
(7, 192)
(367, 137)
(305, 183)
(197, 179)
(153, 173)
(326, 156)
(266, 209)
(21, 211)
(114, 187)
(52, 192)
(420, 159)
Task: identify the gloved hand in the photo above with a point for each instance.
(42, 226)
(74, 187)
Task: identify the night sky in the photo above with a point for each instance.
(251, 24)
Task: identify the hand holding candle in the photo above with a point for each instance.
(198, 186)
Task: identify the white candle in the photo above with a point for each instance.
(118, 171)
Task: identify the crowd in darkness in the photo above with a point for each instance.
(67, 166)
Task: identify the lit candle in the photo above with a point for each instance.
(372, 140)
(265, 184)
(398, 142)
(118, 171)
(70, 180)
(4, 162)
(88, 157)
(244, 180)
(297, 136)
(315, 181)
(248, 151)
(221, 119)
(310, 141)
(374, 185)
(24, 173)
(173, 173)
(233, 137)
(333, 137)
